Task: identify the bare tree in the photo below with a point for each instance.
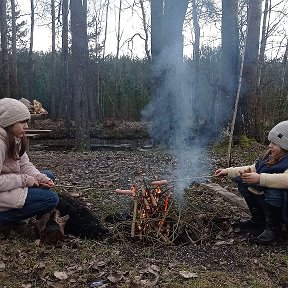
(157, 10)
(248, 118)
(30, 61)
(79, 58)
(13, 73)
(119, 29)
(167, 64)
(145, 27)
(196, 47)
(66, 98)
(229, 63)
(5, 55)
(53, 64)
(282, 110)
(106, 27)
(264, 37)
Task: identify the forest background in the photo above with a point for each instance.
(81, 78)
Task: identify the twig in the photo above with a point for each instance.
(191, 178)
(190, 239)
(134, 214)
(72, 186)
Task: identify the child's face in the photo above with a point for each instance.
(18, 129)
(274, 149)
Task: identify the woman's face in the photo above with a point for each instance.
(18, 129)
(274, 149)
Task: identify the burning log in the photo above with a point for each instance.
(151, 207)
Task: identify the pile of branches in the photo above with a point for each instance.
(155, 216)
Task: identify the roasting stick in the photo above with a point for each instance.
(191, 178)
(134, 189)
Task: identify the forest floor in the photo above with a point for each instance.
(212, 255)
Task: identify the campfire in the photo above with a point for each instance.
(152, 210)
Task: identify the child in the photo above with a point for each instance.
(24, 191)
(264, 186)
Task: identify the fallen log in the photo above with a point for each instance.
(229, 196)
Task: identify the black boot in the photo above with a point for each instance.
(273, 225)
(257, 221)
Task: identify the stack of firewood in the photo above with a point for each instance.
(152, 209)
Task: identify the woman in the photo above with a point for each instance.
(264, 186)
(24, 191)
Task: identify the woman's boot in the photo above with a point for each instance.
(257, 221)
(256, 204)
(273, 225)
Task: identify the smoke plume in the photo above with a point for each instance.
(175, 118)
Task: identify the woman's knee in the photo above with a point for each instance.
(46, 199)
(49, 174)
(242, 187)
(54, 199)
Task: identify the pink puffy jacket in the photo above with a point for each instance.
(12, 191)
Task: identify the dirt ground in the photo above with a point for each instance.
(209, 253)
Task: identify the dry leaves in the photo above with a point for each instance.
(60, 275)
(2, 266)
(188, 275)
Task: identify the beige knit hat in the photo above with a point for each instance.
(279, 135)
(12, 111)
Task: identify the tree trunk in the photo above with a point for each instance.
(263, 42)
(119, 30)
(53, 64)
(145, 27)
(157, 10)
(100, 98)
(5, 56)
(248, 118)
(157, 7)
(30, 61)
(79, 58)
(167, 68)
(13, 75)
(66, 98)
(93, 106)
(106, 27)
(196, 48)
(229, 64)
(282, 110)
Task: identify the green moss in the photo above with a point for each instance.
(246, 142)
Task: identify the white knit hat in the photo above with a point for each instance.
(12, 111)
(279, 135)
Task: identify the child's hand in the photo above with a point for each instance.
(221, 172)
(47, 185)
(250, 178)
(29, 181)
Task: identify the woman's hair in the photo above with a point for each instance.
(273, 160)
(15, 150)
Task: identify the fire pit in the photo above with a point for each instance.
(153, 211)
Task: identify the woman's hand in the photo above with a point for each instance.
(221, 172)
(250, 178)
